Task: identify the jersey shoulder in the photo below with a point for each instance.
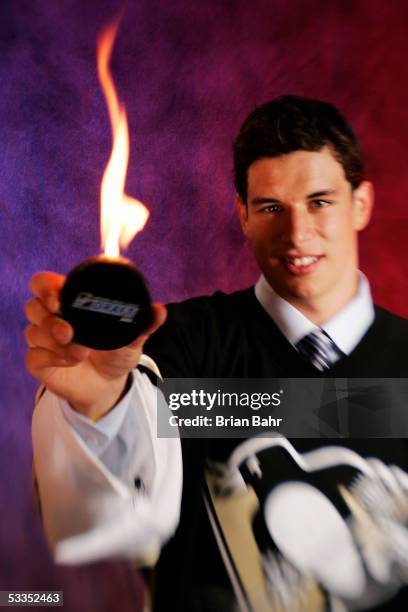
(391, 323)
(219, 304)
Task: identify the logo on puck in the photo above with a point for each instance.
(87, 301)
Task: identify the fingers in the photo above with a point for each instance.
(39, 337)
(49, 338)
(46, 286)
(45, 303)
(35, 312)
(57, 328)
(159, 315)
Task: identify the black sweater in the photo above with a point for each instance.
(231, 336)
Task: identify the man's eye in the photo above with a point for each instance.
(271, 208)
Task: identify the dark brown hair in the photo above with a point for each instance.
(293, 123)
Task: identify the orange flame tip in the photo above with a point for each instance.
(122, 217)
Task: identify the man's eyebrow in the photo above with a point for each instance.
(263, 200)
(319, 194)
(315, 194)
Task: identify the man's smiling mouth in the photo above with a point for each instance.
(300, 265)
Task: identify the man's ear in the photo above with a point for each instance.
(242, 210)
(363, 201)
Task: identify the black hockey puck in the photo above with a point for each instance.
(107, 303)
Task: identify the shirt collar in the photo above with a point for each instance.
(346, 327)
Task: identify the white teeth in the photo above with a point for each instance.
(302, 261)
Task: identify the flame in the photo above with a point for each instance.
(121, 216)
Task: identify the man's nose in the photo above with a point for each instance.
(298, 227)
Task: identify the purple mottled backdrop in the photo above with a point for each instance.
(188, 73)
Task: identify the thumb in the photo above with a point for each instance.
(159, 315)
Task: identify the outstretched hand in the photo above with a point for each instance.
(91, 381)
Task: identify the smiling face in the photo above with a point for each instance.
(302, 218)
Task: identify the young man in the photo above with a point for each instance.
(302, 199)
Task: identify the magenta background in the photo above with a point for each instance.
(188, 72)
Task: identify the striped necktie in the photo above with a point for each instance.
(318, 348)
